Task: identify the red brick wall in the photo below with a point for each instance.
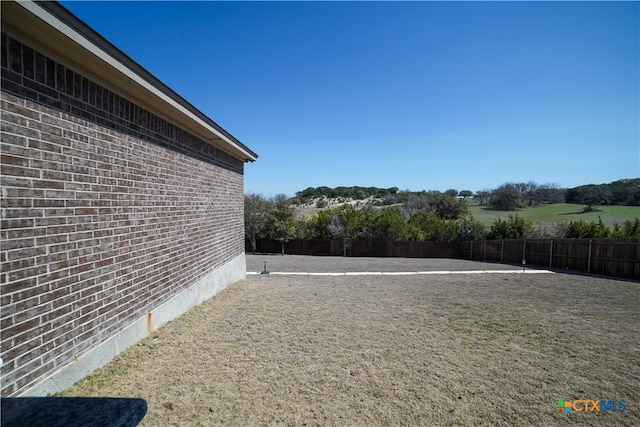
(107, 212)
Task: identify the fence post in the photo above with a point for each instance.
(484, 257)
(589, 260)
(502, 251)
(471, 256)
(345, 243)
(551, 254)
(524, 251)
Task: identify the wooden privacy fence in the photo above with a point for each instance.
(374, 248)
(614, 258)
(359, 248)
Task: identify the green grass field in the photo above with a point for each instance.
(548, 215)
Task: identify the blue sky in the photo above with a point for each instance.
(416, 95)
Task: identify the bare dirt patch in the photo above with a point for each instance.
(389, 350)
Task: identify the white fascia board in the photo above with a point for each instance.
(114, 63)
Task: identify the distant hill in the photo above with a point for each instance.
(309, 206)
(624, 192)
(614, 202)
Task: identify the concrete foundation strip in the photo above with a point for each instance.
(402, 273)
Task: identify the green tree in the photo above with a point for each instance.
(620, 192)
(470, 228)
(352, 221)
(466, 193)
(363, 227)
(628, 230)
(389, 224)
(441, 205)
(338, 223)
(446, 207)
(549, 193)
(482, 196)
(585, 230)
(507, 197)
(427, 226)
(530, 192)
(593, 195)
(415, 202)
(282, 223)
(318, 225)
(307, 193)
(625, 192)
(256, 217)
(515, 227)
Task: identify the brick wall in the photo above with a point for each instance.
(107, 212)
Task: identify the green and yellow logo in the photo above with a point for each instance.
(585, 405)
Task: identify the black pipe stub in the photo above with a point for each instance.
(264, 270)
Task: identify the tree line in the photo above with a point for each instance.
(425, 216)
(509, 196)
(622, 192)
(512, 196)
(441, 219)
(354, 192)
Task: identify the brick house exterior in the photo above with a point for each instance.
(122, 205)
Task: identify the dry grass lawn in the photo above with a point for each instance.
(437, 350)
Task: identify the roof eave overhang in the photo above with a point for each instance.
(58, 33)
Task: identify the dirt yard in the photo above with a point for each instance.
(417, 350)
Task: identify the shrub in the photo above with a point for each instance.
(584, 230)
(515, 227)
